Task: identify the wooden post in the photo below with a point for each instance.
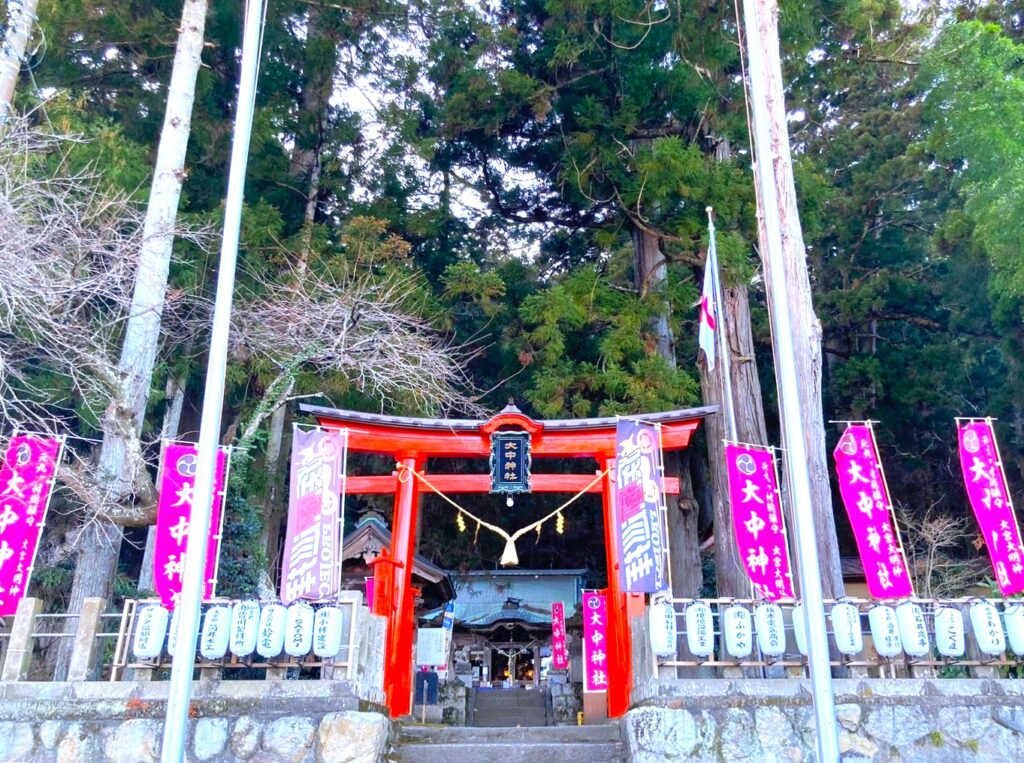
(797, 349)
(19, 647)
(787, 274)
(398, 662)
(83, 656)
(620, 652)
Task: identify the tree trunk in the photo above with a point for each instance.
(806, 328)
(273, 508)
(101, 542)
(649, 267)
(20, 18)
(175, 392)
(730, 574)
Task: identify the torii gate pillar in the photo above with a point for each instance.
(399, 607)
(620, 642)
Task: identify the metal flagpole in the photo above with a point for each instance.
(790, 402)
(179, 692)
(723, 342)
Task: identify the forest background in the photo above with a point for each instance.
(450, 205)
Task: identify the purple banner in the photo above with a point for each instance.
(595, 638)
(639, 508)
(26, 483)
(866, 498)
(559, 650)
(173, 513)
(986, 489)
(757, 520)
(311, 548)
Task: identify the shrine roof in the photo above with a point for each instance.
(371, 535)
(473, 425)
(486, 597)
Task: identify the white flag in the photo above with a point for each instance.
(708, 306)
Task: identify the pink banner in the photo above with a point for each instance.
(986, 488)
(866, 497)
(173, 513)
(595, 638)
(757, 520)
(26, 483)
(639, 508)
(559, 650)
(311, 553)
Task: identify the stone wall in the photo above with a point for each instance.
(565, 703)
(947, 720)
(452, 696)
(258, 721)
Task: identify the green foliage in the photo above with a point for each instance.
(242, 557)
(975, 80)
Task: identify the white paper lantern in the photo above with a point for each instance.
(172, 633)
(885, 631)
(298, 630)
(949, 632)
(1014, 620)
(845, 619)
(913, 631)
(213, 641)
(736, 625)
(245, 622)
(327, 627)
(700, 629)
(270, 636)
(771, 630)
(662, 621)
(150, 630)
(988, 630)
(800, 629)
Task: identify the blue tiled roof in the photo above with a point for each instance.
(483, 598)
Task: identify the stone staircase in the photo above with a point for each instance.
(508, 707)
(464, 744)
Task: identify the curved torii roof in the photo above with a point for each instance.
(594, 437)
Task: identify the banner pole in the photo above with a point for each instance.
(58, 457)
(223, 513)
(892, 508)
(179, 693)
(663, 509)
(723, 344)
(341, 513)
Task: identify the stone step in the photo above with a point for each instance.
(531, 720)
(510, 707)
(598, 752)
(598, 734)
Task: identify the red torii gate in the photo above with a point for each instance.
(411, 441)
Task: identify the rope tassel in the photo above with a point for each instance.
(509, 557)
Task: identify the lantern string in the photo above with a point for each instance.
(509, 555)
